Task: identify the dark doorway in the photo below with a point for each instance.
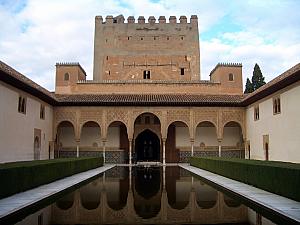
(147, 146)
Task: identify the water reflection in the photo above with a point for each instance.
(147, 195)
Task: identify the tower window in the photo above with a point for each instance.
(147, 74)
(181, 37)
(106, 58)
(230, 77)
(142, 38)
(67, 76)
(276, 105)
(181, 71)
(168, 38)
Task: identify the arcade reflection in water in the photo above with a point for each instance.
(147, 195)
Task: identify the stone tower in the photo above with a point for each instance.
(146, 50)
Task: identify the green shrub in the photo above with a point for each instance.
(21, 176)
(281, 178)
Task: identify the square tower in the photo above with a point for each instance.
(146, 50)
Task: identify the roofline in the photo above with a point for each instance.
(18, 80)
(288, 77)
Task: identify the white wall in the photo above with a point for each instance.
(90, 135)
(207, 135)
(182, 137)
(17, 129)
(67, 137)
(283, 129)
(231, 136)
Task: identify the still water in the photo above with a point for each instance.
(152, 195)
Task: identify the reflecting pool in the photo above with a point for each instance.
(152, 195)
(144, 195)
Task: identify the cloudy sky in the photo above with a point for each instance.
(35, 34)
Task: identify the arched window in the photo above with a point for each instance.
(67, 76)
(230, 77)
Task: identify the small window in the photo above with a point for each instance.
(256, 113)
(181, 38)
(106, 58)
(129, 38)
(147, 74)
(106, 40)
(22, 105)
(67, 76)
(40, 219)
(276, 105)
(168, 38)
(230, 77)
(42, 112)
(181, 71)
(109, 72)
(142, 38)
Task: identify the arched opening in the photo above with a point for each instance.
(117, 145)
(147, 146)
(117, 189)
(147, 197)
(90, 195)
(65, 140)
(178, 190)
(230, 202)
(37, 148)
(90, 139)
(232, 142)
(178, 145)
(206, 141)
(65, 202)
(147, 136)
(206, 196)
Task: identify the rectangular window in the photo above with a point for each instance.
(256, 113)
(276, 105)
(42, 112)
(22, 105)
(181, 71)
(40, 219)
(146, 74)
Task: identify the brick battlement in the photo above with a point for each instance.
(223, 64)
(141, 20)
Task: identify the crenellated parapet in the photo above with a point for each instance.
(142, 20)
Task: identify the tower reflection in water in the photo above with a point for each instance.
(147, 195)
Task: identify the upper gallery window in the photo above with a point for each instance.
(22, 105)
(181, 71)
(276, 105)
(42, 112)
(256, 113)
(147, 74)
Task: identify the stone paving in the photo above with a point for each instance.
(21, 200)
(284, 206)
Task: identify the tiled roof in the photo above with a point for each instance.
(287, 78)
(14, 78)
(18, 80)
(150, 99)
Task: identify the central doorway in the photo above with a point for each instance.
(147, 146)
